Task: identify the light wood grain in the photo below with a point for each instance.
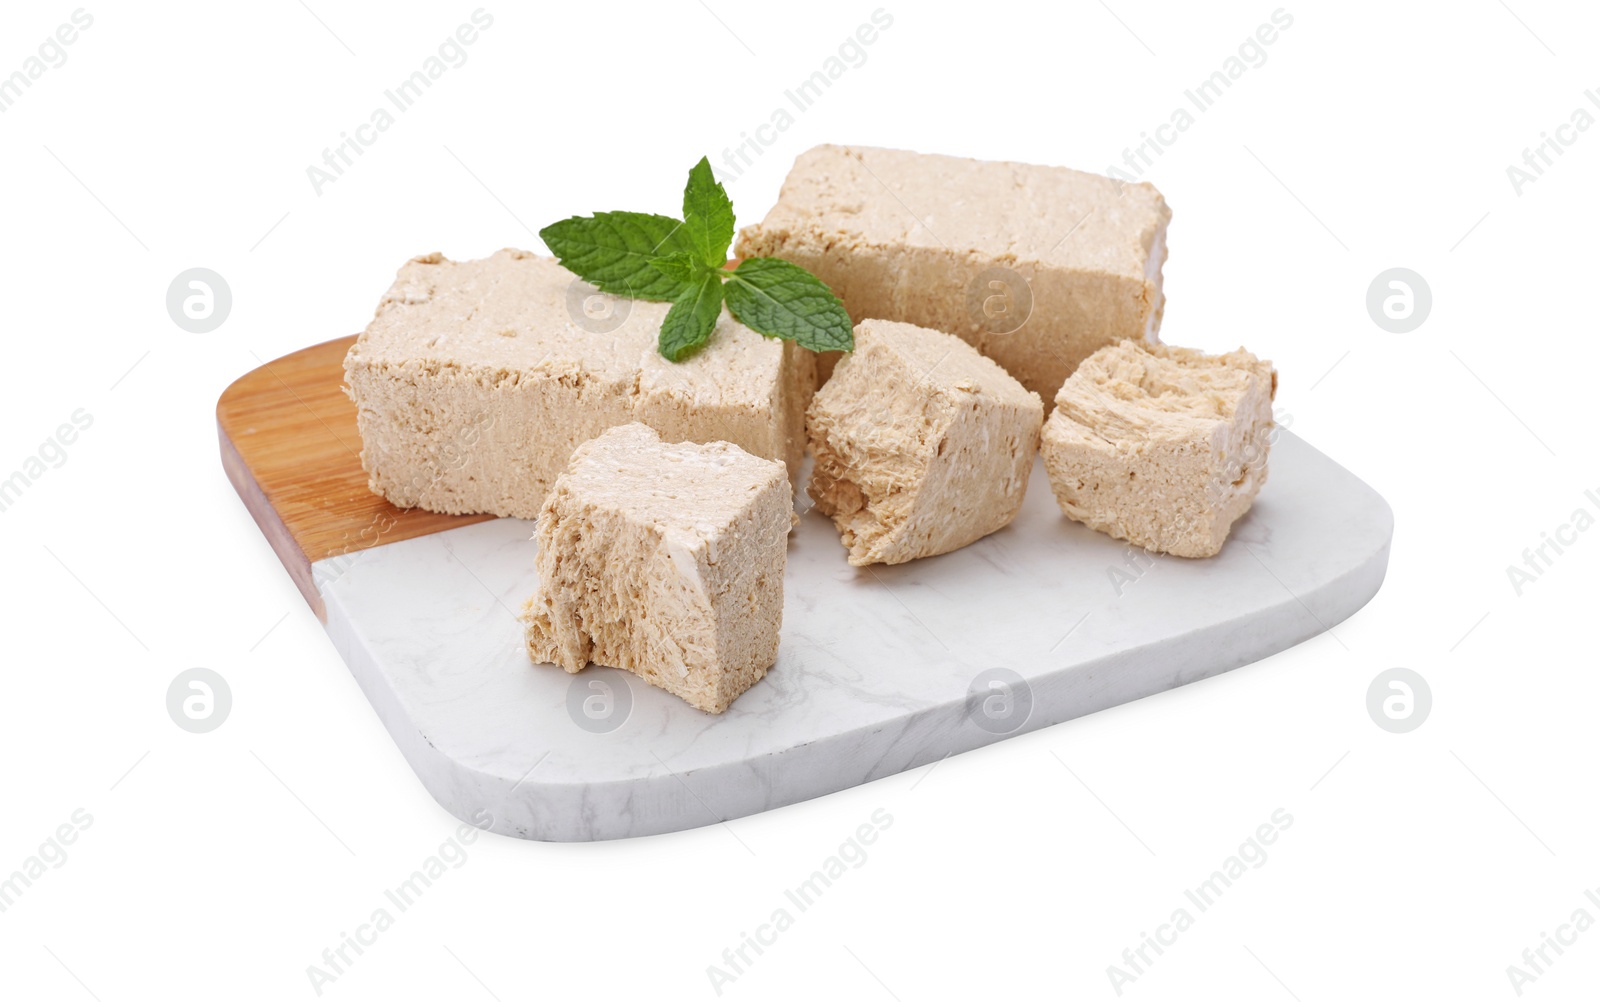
(291, 449)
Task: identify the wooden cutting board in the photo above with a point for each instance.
(291, 449)
(879, 669)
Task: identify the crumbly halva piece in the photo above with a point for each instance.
(1164, 447)
(921, 444)
(476, 380)
(665, 560)
(1037, 267)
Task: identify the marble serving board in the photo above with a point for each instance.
(875, 672)
(880, 669)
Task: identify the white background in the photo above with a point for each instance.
(1375, 135)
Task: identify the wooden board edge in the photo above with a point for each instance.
(295, 560)
(270, 421)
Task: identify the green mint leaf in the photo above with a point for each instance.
(707, 215)
(613, 250)
(680, 267)
(780, 299)
(693, 316)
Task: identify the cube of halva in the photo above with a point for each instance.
(665, 560)
(476, 380)
(1163, 447)
(922, 445)
(1037, 267)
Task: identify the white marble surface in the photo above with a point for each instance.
(875, 664)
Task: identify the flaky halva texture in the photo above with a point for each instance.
(665, 560)
(476, 380)
(1037, 267)
(921, 444)
(1164, 447)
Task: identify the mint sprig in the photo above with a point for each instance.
(644, 256)
(784, 300)
(613, 251)
(678, 267)
(707, 216)
(693, 316)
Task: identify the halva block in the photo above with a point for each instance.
(665, 560)
(476, 380)
(1037, 267)
(1164, 447)
(921, 444)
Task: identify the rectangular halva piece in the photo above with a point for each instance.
(665, 560)
(476, 380)
(1036, 267)
(922, 445)
(1164, 447)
